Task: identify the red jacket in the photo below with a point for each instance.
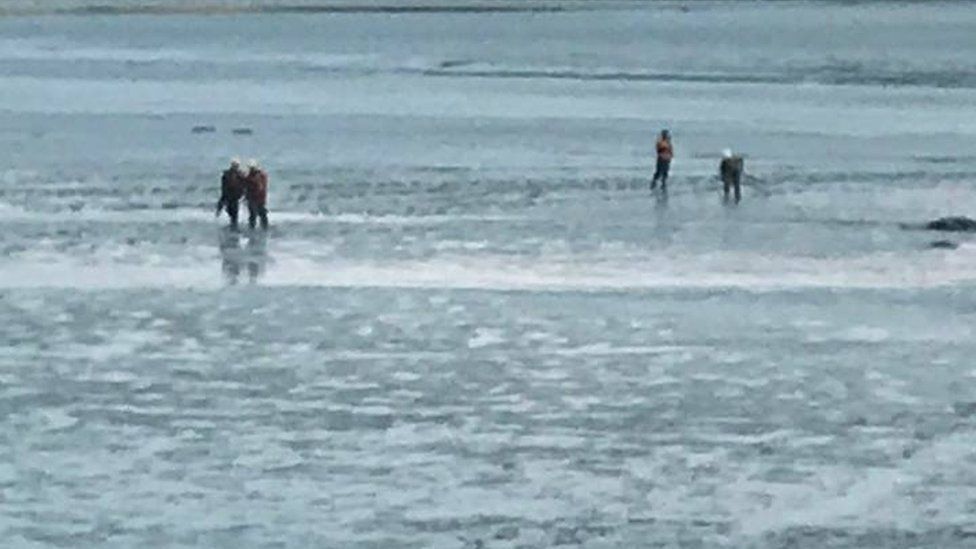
(257, 187)
(664, 149)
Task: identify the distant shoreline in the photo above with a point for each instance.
(231, 7)
(106, 7)
(388, 7)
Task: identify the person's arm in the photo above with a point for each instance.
(223, 196)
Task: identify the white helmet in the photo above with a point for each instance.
(253, 164)
(235, 162)
(726, 153)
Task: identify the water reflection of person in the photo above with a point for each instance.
(256, 255)
(229, 245)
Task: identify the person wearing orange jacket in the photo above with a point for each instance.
(665, 152)
(256, 195)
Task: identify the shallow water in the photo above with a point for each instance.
(471, 324)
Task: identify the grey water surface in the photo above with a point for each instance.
(471, 324)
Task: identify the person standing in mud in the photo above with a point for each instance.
(256, 195)
(730, 170)
(665, 152)
(231, 190)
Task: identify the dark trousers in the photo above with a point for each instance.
(661, 173)
(254, 212)
(232, 208)
(732, 180)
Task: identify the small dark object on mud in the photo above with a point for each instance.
(507, 532)
(242, 131)
(203, 129)
(964, 409)
(953, 224)
(567, 536)
(943, 245)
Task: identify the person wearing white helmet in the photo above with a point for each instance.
(256, 195)
(231, 191)
(730, 170)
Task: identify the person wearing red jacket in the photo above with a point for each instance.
(256, 195)
(665, 152)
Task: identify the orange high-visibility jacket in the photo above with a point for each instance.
(664, 149)
(257, 188)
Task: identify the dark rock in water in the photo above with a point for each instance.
(203, 129)
(964, 409)
(943, 245)
(567, 536)
(507, 533)
(954, 224)
(242, 131)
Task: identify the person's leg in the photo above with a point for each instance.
(738, 187)
(726, 187)
(658, 172)
(252, 215)
(264, 217)
(666, 167)
(232, 211)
